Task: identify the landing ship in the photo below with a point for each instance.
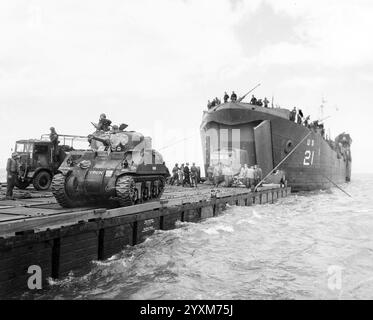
(237, 133)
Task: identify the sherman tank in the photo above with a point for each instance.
(120, 167)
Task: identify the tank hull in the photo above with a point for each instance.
(267, 136)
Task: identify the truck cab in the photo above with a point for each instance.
(39, 162)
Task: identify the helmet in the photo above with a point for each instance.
(103, 115)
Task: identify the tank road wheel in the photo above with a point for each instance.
(126, 191)
(42, 181)
(22, 185)
(59, 192)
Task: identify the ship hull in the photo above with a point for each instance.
(267, 137)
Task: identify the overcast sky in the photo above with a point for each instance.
(154, 64)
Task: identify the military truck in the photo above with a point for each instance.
(39, 162)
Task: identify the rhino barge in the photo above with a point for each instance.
(36, 231)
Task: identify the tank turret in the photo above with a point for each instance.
(121, 166)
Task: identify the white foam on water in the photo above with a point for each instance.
(219, 228)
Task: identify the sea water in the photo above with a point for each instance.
(314, 245)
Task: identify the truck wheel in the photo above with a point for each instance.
(59, 192)
(126, 191)
(22, 184)
(42, 181)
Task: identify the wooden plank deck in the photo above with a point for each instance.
(25, 214)
(62, 240)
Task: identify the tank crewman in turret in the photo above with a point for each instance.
(233, 97)
(53, 137)
(226, 97)
(265, 101)
(12, 170)
(253, 100)
(103, 123)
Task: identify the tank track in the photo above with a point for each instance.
(126, 193)
(125, 190)
(59, 192)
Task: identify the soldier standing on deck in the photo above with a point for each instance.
(53, 137)
(293, 114)
(175, 174)
(194, 175)
(226, 97)
(300, 116)
(253, 100)
(186, 175)
(265, 102)
(181, 174)
(233, 97)
(12, 169)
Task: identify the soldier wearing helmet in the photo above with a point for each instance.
(103, 123)
(12, 169)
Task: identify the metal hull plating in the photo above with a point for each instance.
(236, 126)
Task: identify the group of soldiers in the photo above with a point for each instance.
(215, 102)
(222, 175)
(298, 117)
(259, 102)
(184, 176)
(254, 101)
(250, 176)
